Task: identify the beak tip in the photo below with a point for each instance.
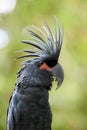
(58, 85)
(59, 74)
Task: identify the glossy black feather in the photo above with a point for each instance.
(30, 55)
(32, 43)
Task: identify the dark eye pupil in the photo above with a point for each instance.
(51, 63)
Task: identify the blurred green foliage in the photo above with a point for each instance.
(69, 103)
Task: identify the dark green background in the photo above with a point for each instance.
(69, 103)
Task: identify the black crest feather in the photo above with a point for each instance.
(47, 45)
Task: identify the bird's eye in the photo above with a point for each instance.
(51, 63)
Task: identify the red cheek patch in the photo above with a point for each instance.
(44, 66)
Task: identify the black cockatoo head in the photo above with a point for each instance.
(47, 50)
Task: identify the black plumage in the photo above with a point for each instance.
(29, 107)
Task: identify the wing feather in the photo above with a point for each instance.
(13, 114)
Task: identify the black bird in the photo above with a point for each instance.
(29, 107)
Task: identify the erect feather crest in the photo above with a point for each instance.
(47, 45)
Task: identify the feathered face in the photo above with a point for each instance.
(47, 50)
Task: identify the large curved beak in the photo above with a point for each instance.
(59, 74)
